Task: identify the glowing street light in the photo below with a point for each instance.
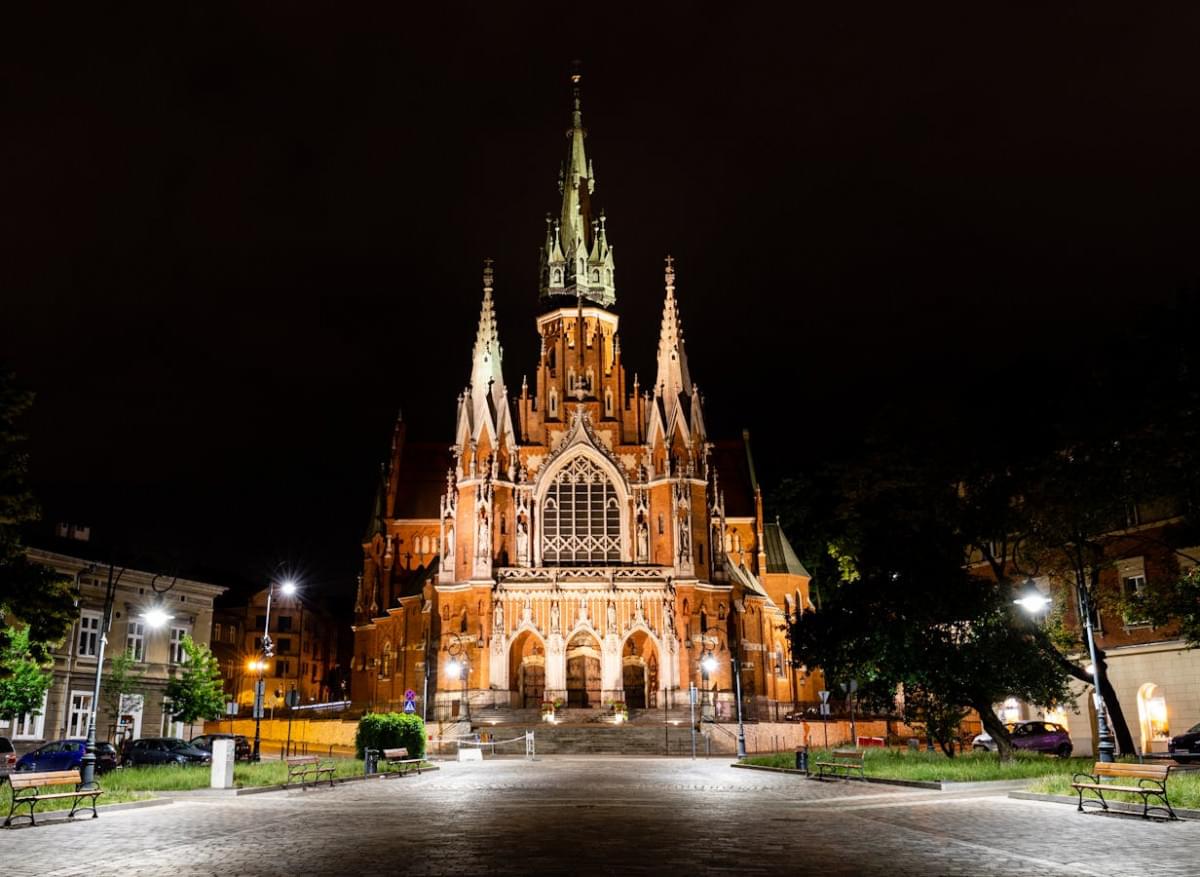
(156, 616)
(288, 588)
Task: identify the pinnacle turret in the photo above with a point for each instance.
(487, 355)
(673, 377)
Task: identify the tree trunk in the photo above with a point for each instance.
(995, 727)
(1116, 716)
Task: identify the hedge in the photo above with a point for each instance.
(390, 731)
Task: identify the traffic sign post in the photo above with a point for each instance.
(825, 715)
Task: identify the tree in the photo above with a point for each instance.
(31, 592)
(24, 682)
(198, 691)
(119, 686)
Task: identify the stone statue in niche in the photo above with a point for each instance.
(498, 619)
(612, 617)
(554, 617)
(643, 539)
(668, 618)
(484, 545)
(522, 542)
(684, 537)
(448, 546)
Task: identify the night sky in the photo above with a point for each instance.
(233, 243)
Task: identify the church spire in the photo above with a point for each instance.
(485, 360)
(673, 377)
(577, 260)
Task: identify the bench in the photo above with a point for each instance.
(305, 766)
(1151, 783)
(399, 758)
(844, 760)
(25, 792)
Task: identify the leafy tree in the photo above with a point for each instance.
(35, 594)
(125, 679)
(198, 691)
(24, 682)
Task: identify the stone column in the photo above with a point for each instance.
(612, 677)
(556, 668)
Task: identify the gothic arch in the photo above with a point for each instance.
(606, 535)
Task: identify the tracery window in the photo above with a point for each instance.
(581, 517)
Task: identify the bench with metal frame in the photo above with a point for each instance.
(25, 786)
(845, 760)
(304, 766)
(399, 757)
(1151, 783)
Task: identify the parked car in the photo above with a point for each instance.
(165, 750)
(8, 757)
(1186, 746)
(67, 755)
(1036, 736)
(241, 746)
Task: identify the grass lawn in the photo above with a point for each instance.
(904, 764)
(1183, 788)
(139, 783)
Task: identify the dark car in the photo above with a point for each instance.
(165, 750)
(67, 755)
(241, 746)
(8, 757)
(1036, 736)
(1186, 746)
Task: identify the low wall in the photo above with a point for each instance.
(782, 736)
(318, 734)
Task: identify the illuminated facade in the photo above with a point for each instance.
(583, 541)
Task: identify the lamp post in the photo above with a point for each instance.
(459, 665)
(288, 587)
(1032, 600)
(154, 617)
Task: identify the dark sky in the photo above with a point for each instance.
(235, 240)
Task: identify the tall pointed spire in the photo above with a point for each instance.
(673, 377)
(577, 259)
(486, 358)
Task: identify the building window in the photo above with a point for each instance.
(217, 632)
(135, 641)
(81, 710)
(89, 634)
(170, 727)
(284, 622)
(581, 518)
(284, 644)
(260, 622)
(258, 644)
(176, 652)
(283, 668)
(232, 632)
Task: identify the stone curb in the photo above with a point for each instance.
(935, 785)
(185, 794)
(1117, 806)
(47, 817)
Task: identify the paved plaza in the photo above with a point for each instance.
(604, 815)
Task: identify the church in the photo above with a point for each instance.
(580, 541)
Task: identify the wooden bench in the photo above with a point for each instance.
(25, 792)
(844, 760)
(305, 766)
(399, 758)
(1151, 783)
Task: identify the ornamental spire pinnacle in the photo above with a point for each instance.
(487, 355)
(577, 261)
(673, 377)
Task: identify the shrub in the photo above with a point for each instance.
(390, 731)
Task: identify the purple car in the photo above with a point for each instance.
(1036, 736)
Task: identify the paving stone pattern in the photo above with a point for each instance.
(605, 815)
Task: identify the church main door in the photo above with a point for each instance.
(583, 681)
(533, 684)
(634, 678)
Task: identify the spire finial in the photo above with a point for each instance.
(670, 273)
(487, 274)
(577, 103)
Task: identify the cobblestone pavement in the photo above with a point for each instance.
(605, 815)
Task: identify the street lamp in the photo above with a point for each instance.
(155, 617)
(708, 664)
(1033, 601)
(288, 588)
(459, 665)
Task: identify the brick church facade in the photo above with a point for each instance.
(582, 540)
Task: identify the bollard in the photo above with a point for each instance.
(370, 761)
(802, 758)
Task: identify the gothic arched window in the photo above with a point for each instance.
(581, 517)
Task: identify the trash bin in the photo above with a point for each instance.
(370, 761)
(802, 758)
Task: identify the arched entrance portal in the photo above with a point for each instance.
(639, 671)
(527, 670)
(583, 671)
